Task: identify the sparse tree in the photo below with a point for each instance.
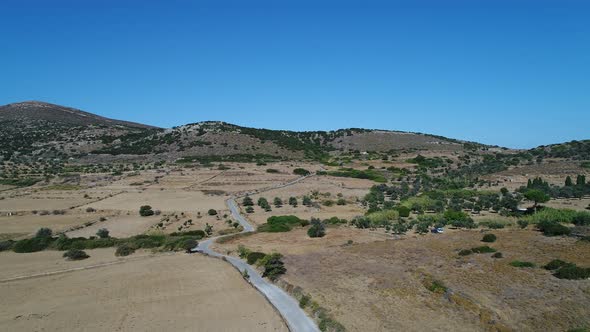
(278, 202)
(581, 180)
(537, 196)
(102, 233)
(293, 201)
(44, 233)
(247, 201)
(208, 229)
(146, 211)
(317, 229)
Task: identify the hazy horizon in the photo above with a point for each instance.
(507, 73)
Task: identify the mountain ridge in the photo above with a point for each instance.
(36, 130)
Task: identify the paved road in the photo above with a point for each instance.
(288, 307)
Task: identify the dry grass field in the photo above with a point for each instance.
(369, 280)
(175, 292)
(379, 282)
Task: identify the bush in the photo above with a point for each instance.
(553, 228)
(572, 272)
(497, 255)
(522, 264)
(249, 209)
(581, 219)
(304, 301)
(492, 224)
(273, 266)
(75, 255)
(31, 245)
(254, 256)
(467, 223)
(243, 251)
(522, 223)
(465, 252)
(489, 238)
(272, 171)
(437, 286)
(403, 211)
(102, 233)
(277, 224)
(90, 210)
(212, 212)
(247, 201)
(188, 243)
(146, 211)
(124, 250)
(199, 234)
(483, 250)
(6, 245)
(301, 171)
(44, 233)
(317, 229)
(554, 264)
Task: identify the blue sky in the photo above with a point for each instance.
(513, 73)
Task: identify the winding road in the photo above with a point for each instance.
(288, 307)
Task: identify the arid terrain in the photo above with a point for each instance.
(367, 230)
(144, 293)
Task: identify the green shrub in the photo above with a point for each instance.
(465, 252)
(554, 264)
(44, 233)
(317, 229)
(437, 286)
(463, 223)
(31, 245)
(273, 266)
(357, 174)
(403, 211)
(146, 241)
(277, 224)
(522, 223)
(489, 238)
(522, 264)
(212, 212)
(124, 250)
(254, 256)
(553, 215)
(492, 224)
(75, 255)
(585, 238)
(301, 171)
(102, 233)
(304, 301)
(553, 228)
(483, 250)
(572, 272)
(6, 245)
(199, 234)
(582, 218)
(497, 255)
(243, 251)
(146, 211)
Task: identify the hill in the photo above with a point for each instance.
(36, 130)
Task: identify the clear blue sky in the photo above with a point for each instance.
(514, 73)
